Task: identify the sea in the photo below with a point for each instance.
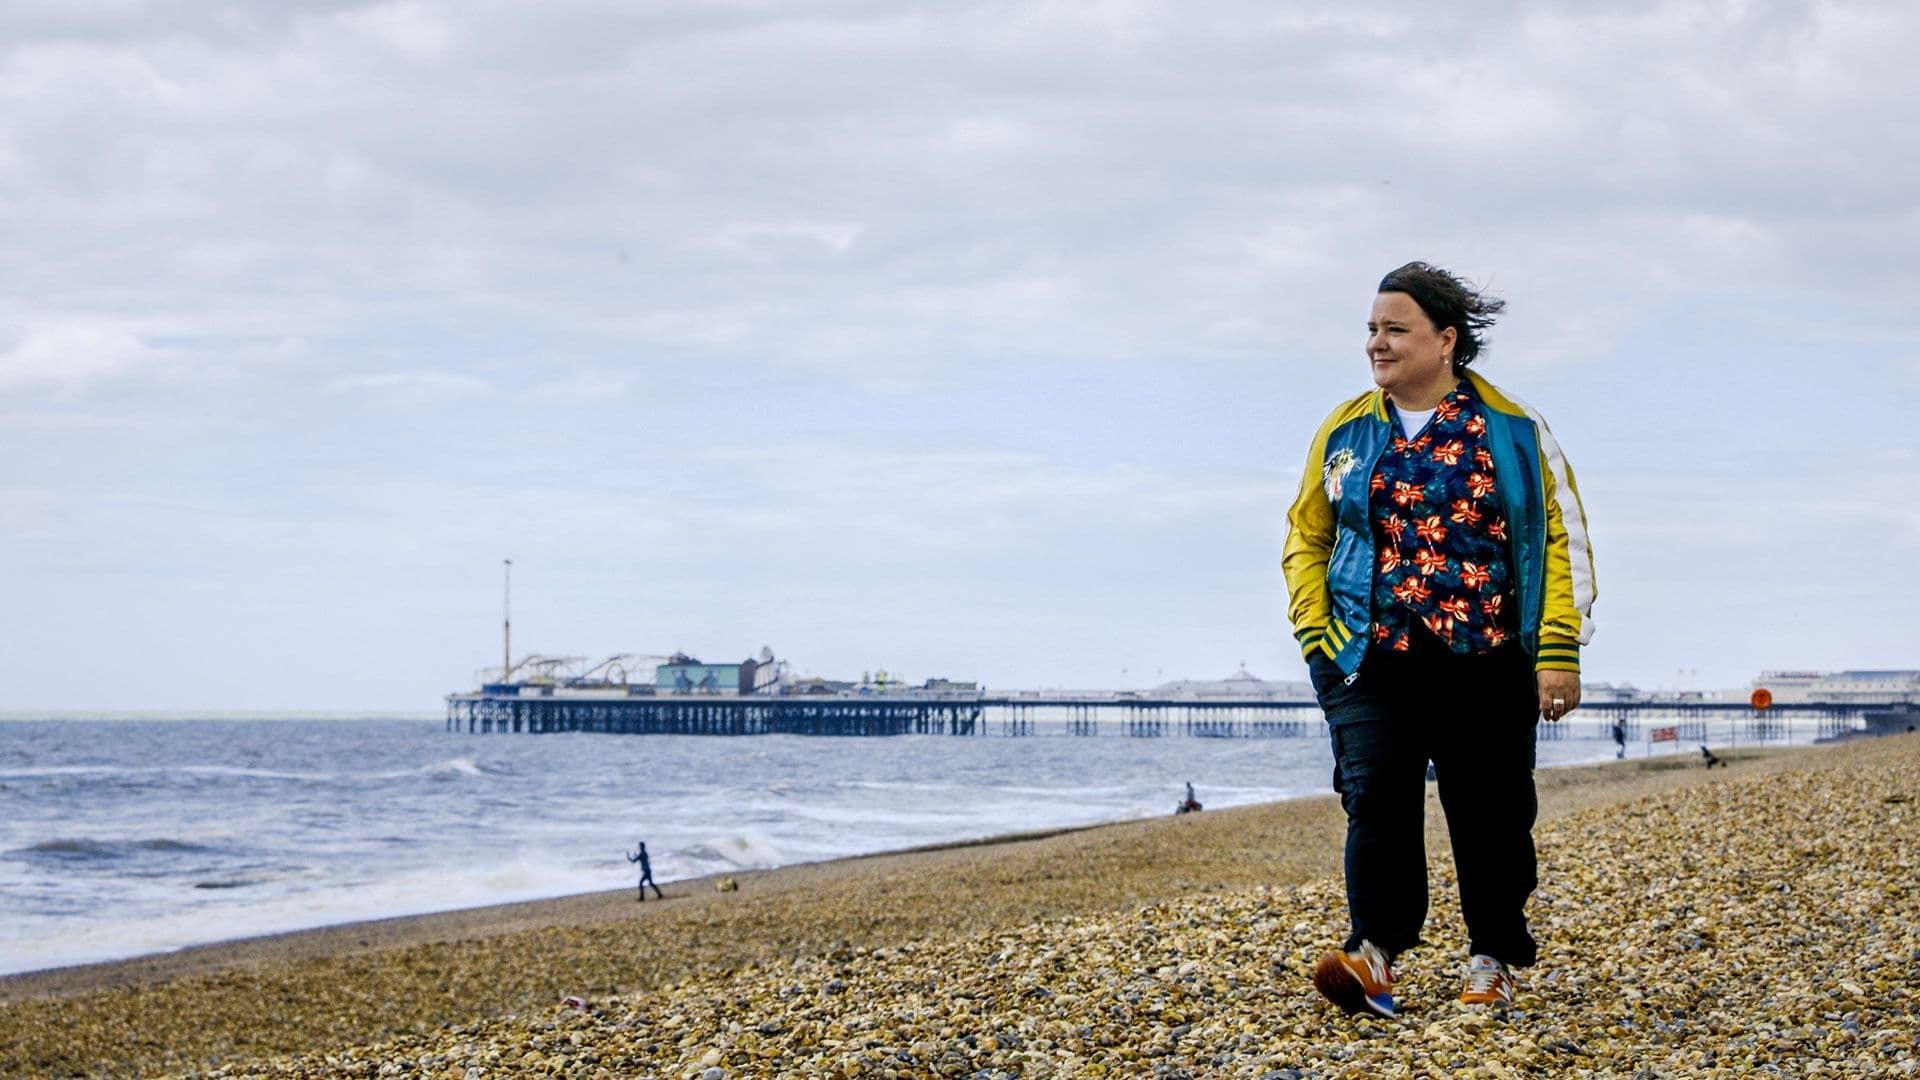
(128, 835)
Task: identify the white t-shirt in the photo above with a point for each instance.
(1411, 421)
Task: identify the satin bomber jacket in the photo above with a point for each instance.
(1329, 556)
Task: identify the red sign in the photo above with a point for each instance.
(1761, 699)
(1665, 734)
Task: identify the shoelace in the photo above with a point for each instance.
(1483, 980)
(1376, 965)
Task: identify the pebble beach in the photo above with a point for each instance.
(1758, 919)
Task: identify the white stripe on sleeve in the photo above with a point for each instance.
(1572, 518)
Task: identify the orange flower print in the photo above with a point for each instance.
(1441, 533)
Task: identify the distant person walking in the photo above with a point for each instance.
(1619, 740)
(1439, 583)
(646, 873)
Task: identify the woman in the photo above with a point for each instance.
(1440, 582)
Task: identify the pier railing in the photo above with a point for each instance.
(1120, 713)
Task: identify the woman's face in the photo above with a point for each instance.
(1412, 361)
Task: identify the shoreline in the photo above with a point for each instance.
(505, 917)
(510, 915)
(309, 991)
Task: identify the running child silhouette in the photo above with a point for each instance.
(646, 873)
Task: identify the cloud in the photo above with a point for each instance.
(412, 29)
(589, 386)
(74, 358)
(849, 187)
(412, 387)
(803, 284)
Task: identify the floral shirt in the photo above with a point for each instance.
(1439, 536)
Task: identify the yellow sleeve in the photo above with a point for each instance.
(1310, 534)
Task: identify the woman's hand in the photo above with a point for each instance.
(1559, 693)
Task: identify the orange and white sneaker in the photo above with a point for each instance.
(1357, 981)
(1488, 983)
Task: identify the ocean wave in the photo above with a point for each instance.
(75, 848)
(78, 848)
(453, 768)
(165, 844)
(49, 772)
(743, 851)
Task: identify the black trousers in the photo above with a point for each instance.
(1473, 717)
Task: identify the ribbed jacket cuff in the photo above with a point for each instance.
(1322, 640)
(1312, 640)
(1557, 656)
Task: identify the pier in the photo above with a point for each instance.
(714, 715)
(1025, 713)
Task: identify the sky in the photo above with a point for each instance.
(968, 340)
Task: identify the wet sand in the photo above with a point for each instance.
(423, 977)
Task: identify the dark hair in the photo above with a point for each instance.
(1449, 301)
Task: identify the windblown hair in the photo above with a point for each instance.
(1449, 301)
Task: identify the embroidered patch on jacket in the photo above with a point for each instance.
(1335, 471)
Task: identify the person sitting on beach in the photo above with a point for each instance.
(646, 873)
(1439, 581)
(1712, 758)
(1189, 804)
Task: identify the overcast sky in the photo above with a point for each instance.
(978, 340)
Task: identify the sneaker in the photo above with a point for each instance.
(1357, 981)
(1488, 983)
